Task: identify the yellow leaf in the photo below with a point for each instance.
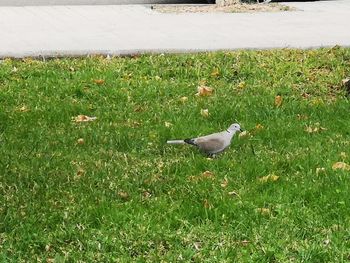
(341, 166)
(259, 127)
(264, 211)
(205, 113)
(269, 178)
(204, 91)
(99, 81)
(242, 85)
(23, 109)
(215, 72)
(83, 118)
(278, 101)
(243, 134)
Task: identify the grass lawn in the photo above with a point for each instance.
(111, 190)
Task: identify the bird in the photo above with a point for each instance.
(212, 144)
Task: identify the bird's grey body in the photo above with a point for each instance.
(213, 143)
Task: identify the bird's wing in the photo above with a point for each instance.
(213, 143)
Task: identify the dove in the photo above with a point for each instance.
(212, 144)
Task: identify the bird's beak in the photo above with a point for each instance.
(241, 130)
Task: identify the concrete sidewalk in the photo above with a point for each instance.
(80, 30)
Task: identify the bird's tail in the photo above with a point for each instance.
(176, 142)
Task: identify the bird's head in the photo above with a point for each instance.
(234, 128)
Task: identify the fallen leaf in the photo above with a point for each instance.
(79, 173)
(123, 195)
(184, 99)
(264, 211)
(204, 91)
(205, 113)
(278, 101)
(215, 72)
(243, 134)
(23, 109)
(206, 204)
(99, 81)
(234, 193)
(269, 178)
(197, 245)
(302, 117)
(207, 174)
(259, 127)
(242, 85)
(341, 166)
(146, 194)
(80, 141)
(83, 118)
(315, 128)
(224, 183)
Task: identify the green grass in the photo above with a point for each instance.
(126, 196)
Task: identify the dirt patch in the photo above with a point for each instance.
(226, 7)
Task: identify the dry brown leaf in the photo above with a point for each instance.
(269, 178)
(341, 166)
(79, 173)
(99, 81)
(123, 195)
(83, 118)
(206, 204)
(207, 174)
(146, 194)
(80, 141)
(278, 101)
(204, 91)
(205, 113)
